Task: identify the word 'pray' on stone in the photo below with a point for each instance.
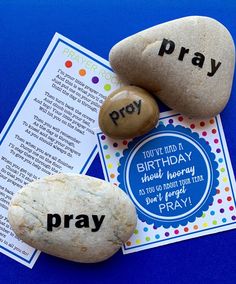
(72, 216)
(187, 63)
(82, 221)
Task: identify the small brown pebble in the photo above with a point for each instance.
(128, 112)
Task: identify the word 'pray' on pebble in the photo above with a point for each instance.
(128, 112)
(55, 220)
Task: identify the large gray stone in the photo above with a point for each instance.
(71, 216)
(187, 63)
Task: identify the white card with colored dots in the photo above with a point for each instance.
(179, 176)
(52, 127)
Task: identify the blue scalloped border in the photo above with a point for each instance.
(210, 157)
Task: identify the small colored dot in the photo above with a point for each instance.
(233, 218)
(138, 241)
(216, 141)
(135, 231)
(167, 234)
(202, 123)
(222, 170)
(108, 156)
(217, 191)
(154, 227)
(227, 189)
(112, 175)
(68, 64)
(161, 122)
(224, 179)
(171, 121)
(115, 184)
(222, 210)
(176, 232)
(212, 213)
(103, 137)
(82, 72)
(107, 87)
(213, 131)
(147, 239)
(125, 142)
(110, 166)
(157, 236)
(203, 215)
(218, 150)
(95, 80)
(117, 154)
(231, 208)
(229, 198)
(115, 145)
(195, 227)
(219, 201)
(211, 121)
(205, 225)
(181, 118)
(192, 126)
(204, 133)
(220, 160)
(214, 222)
(145, 229)
(128, 244)
(105, 147)
(186, 229)
(224, 220)
(118, 164)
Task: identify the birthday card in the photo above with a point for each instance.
(179, 176)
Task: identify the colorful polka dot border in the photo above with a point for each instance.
(219, 213)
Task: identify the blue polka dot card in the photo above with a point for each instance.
(179, 177)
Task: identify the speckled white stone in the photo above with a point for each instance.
(180, 84)
(73, 194)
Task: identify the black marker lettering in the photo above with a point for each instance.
(182, 53)
(53, 220)
(167, 47)
(214, 67)
(114, 116)
(199, 59)
(97, 222)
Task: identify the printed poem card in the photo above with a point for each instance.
(52, 127)
(179, 176)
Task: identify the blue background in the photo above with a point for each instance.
(26, 28)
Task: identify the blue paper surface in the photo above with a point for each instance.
(26, 28)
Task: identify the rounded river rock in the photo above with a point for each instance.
(187, 63)
(128, 112)
(75, 217)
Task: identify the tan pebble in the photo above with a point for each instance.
(128, 112)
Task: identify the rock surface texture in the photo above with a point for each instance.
(71, 216)
(187, 63)
(128, 112)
